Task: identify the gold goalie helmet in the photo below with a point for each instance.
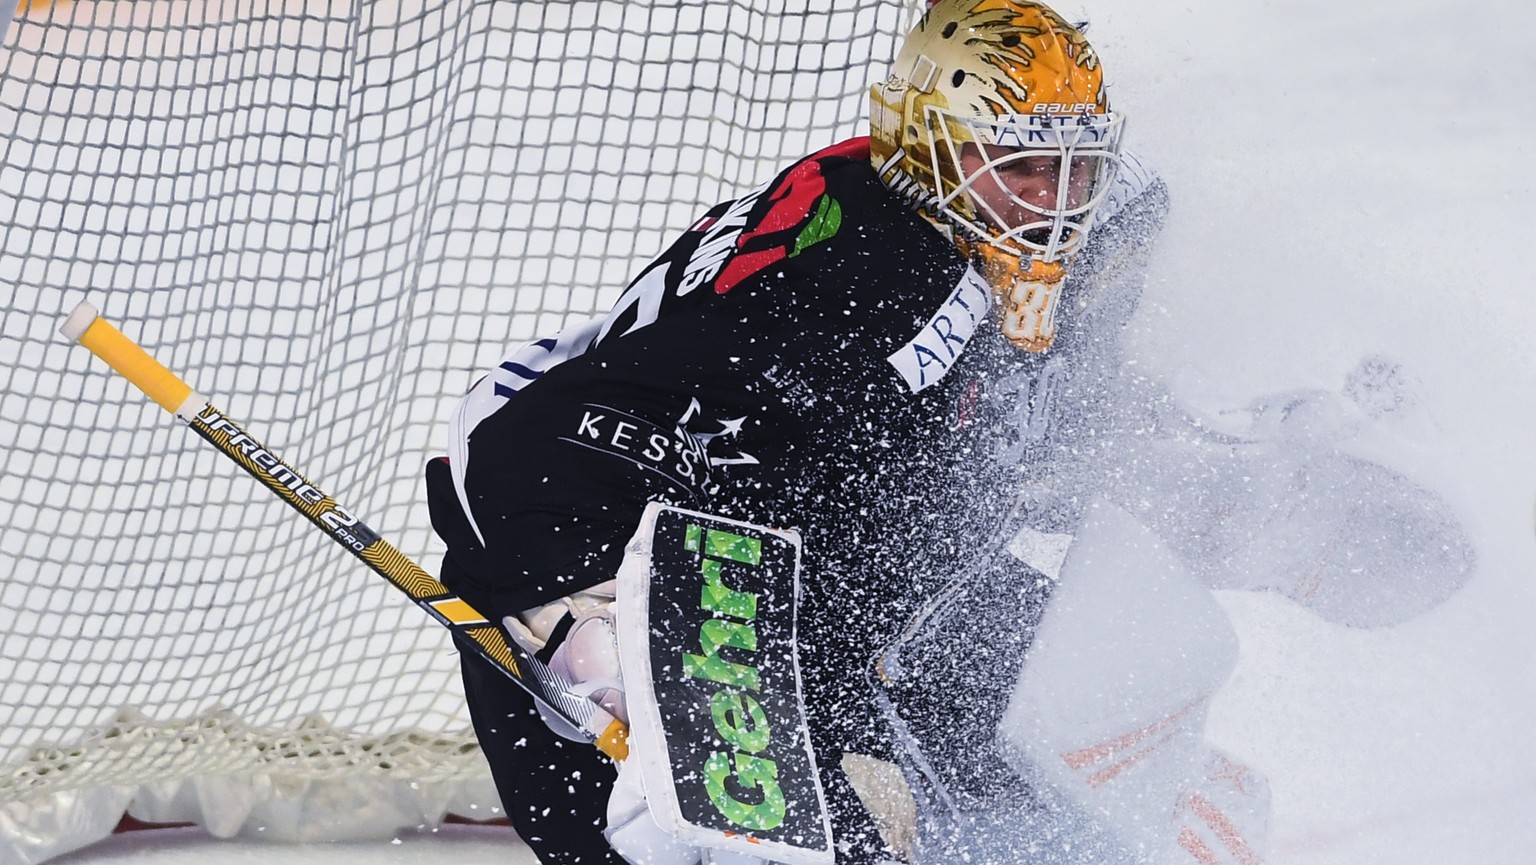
(995, 125)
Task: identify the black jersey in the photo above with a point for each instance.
(812, 355)
(810, 321)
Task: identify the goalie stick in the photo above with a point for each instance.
(85, 326)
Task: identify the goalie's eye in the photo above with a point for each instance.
(1026, 173)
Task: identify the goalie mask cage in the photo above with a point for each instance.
(329, 218)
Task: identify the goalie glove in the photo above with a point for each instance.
(576, 636)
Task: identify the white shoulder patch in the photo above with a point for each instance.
(519, 369)
(937, 346)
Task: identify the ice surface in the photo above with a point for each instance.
(462, 845)
(1348, 179)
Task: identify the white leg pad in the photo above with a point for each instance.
(1110, 708)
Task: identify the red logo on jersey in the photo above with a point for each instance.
(800, 215)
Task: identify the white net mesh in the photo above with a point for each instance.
(328, 217)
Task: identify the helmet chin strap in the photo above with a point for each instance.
(1028, 291)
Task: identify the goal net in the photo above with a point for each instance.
(328, 217)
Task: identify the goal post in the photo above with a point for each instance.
(334, 215)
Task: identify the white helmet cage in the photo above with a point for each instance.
(1049, 228)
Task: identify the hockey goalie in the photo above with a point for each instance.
(852, 481)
